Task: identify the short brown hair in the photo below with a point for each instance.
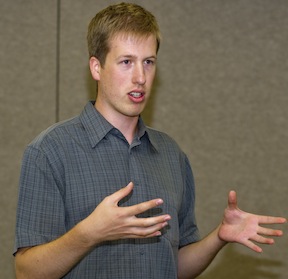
(124, 17)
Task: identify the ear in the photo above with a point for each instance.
(95, 67)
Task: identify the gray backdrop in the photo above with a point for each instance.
(220, 92)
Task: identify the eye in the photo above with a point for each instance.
(149, 62)
(126, 62)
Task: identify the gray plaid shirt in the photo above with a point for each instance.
(69, 169)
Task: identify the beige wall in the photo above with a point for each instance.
(221, 92)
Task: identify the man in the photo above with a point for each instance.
(76, 220)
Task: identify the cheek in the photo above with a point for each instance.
(150, 78)
(111, 80)
(115, 84)
(119, 79)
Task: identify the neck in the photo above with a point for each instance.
(127, 125)
(128, 129)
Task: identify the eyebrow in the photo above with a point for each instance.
(134, 56)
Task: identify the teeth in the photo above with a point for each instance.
(135, 94)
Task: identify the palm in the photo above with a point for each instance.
(244, 228)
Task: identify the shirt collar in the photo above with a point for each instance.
(97, 127)
(144, 130)
(95, 124)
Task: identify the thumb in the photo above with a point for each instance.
(232, 200)
(122, 193)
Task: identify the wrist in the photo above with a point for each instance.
(85, 235)
(222, 242)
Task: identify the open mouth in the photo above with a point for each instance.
(136, 94)
(136, 97)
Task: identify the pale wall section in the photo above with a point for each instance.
(220, 92)
(27, 99)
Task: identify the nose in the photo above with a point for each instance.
(139, 76)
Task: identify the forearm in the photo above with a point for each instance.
(108, 222)
(53, 259)
(195, 258)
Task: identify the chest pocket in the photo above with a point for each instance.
(170, 206)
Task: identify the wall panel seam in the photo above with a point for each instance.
(58, 34)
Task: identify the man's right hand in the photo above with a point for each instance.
(112, 222)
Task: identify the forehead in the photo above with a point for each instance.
(130, 39)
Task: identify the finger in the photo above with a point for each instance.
(232, 200)
(263, 240)
(154, 234)
(144, 206)
(271, 220)
(152, 221)
(122, 193)
(137, 232)
(269, 232)
(252, 246)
